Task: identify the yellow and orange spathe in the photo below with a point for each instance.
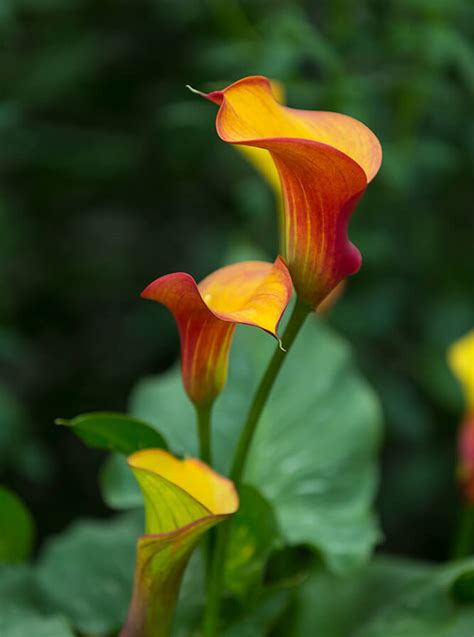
(251, 293)
(183, 499)
(324, 162)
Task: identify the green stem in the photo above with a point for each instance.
(297, 318)
(216, 575)
(215, 580)
(203, 419)
(464, 540)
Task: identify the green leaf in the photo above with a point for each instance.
(163, 400)
(388, 598)
(290, 566)
(87, 572)
(18, 592)
(113, 431)
(334, 605)
(37, 626)
(314, 455)
(463, 587)
(262, 615)
(254, 536)
(16, 528)
(118, 487)
(22, 610)
(426, 610)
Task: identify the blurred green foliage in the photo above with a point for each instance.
(112, 174)
(16, 529)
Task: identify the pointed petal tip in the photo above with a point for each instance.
(216, 96)
(146, 293)
(157, 289)
(195, 90)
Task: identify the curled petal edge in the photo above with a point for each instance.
(251, 293)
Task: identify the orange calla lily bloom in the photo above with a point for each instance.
(252, 293)
(324, 162)
(461, 361)
(183, 499)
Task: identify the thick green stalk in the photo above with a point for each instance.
(300, 312)
(203, 419)
(215, 582)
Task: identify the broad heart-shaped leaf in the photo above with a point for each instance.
(22, 610)
(16, 528)
(86, 573)
(314, 455)
(115, 432)
(388, 598)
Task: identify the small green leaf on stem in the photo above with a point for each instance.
(115, 432)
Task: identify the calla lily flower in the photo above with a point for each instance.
(461, 361)
(324, 162)
(183, 499)
(252, 293)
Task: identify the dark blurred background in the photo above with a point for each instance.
(112, 174)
